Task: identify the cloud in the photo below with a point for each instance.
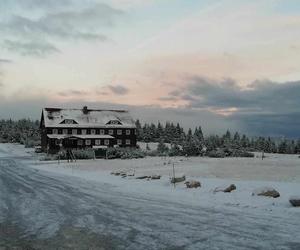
(85, 23)
(168, 98)
(72, 93)
(31, 108)
(261, 96)
(261, 108)
(2, 60)
(37, 48)
(34, 4)
(118, 89)
(277, 125)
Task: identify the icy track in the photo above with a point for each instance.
(44, 210)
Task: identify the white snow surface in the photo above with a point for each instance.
(281, 172)
(91, 119)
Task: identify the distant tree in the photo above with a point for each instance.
(297, 147)
(192, 146)
(199, 134)
(162, 148)
(175, 150)
(283, 147)
(139, 132)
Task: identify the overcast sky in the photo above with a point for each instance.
(223, 64)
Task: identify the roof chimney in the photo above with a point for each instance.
(85, 110)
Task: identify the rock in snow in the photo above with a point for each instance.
(295, 201)
(192, 184)
(230, 188)
(225, 189)
(155, 177)
(266, 191)
(178, 179)
(143, 177)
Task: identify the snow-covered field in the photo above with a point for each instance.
(281, 172)
(86, 195)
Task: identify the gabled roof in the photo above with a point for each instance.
(55, 117)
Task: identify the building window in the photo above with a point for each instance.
(55, 131)
(114, 122)
(106, 142)
(127, 142)
(93, 131)
(57, 141)
(83, 131)
(135, 131)
(74, 131)
(110, 132)
(101, 131)
(68, 121)
(119, 132)
(79, 142)
(88, 142)
(97, 142)
(119, 142)
(127, 131)
(65, 131)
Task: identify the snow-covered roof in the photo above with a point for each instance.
(67, 118)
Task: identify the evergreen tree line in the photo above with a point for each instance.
(23, 131)
(192, 142)
(195, 143)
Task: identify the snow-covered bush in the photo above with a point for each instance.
(124, 153)
(31, 142)
(83, 154)
(216, 154)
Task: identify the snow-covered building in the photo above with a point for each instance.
(86, 128)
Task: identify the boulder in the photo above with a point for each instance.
(178, 179)
(225, 189)
(266, 191)
(119, 173)
(115, 173)
(230, 188)
(295, 201)
(143, 177)
(192, 184)
(155, 177)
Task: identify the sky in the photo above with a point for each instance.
(220, 64)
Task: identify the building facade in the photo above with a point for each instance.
(86, 128)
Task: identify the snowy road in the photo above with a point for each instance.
(42, 210)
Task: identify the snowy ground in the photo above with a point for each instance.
(234, 220)
(278, 171)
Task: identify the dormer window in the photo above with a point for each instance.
(114, 122)
(68, 121)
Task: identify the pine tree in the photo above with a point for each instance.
(162, 148)
(139, 132)
(282, 148)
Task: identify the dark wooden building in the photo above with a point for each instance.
(86, 128)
